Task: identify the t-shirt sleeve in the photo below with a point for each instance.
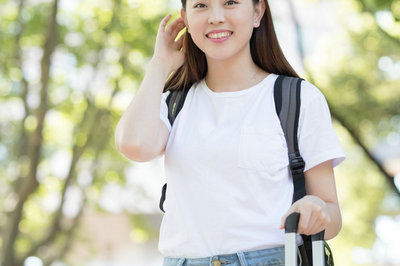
(318, 141)
(164, 111)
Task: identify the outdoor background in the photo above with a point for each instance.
(68, 69)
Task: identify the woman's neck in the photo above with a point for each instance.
(233, 74)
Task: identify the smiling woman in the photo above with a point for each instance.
(219, 22)
(226, 164)
(250, 19)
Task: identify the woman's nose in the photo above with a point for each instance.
(217, 15)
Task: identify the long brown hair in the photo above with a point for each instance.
(264, 47)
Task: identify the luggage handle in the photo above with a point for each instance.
(318, 254)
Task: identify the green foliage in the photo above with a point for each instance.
(388, 5)
(101, 52)
(360, 81)
(361, 191)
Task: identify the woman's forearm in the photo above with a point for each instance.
(139, 127)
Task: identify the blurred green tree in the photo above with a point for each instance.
(359, 73)
(364, 98)
(65, 68)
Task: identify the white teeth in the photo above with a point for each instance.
(219, 35)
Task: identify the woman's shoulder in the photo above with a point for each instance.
(310, 93)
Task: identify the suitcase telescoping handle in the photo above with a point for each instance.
(292, 222)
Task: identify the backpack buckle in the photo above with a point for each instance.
(297, 164)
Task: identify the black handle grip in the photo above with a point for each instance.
(292, 222)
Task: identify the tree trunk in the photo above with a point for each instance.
(30, 182)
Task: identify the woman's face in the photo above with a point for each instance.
(222, 28)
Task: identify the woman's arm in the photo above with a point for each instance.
(140, 134)
(319, 210)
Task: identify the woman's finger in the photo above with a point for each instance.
(315, 218)
(180, 39)
(163, 23)
(318, 221)
(316, 229)
(304, 221)
(178, 28)
(179, 43)
(171, 27)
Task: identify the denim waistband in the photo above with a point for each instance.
(247, 258)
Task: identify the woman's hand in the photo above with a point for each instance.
(167, 51)
(314, 215)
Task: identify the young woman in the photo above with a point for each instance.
(229, 188)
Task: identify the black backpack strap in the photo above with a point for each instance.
(162, 199)
(175, 101)
(287, 104)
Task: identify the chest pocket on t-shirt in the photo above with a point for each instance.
(262, 149)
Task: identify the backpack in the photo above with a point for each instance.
(287, 105)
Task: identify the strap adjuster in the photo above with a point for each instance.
(297, 164)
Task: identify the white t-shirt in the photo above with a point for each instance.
(226, 166)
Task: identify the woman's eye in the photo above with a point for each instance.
(199, 5)
(231, 2)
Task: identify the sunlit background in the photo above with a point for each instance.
(70, 67)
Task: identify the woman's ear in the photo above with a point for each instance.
(183, 15)
(259, 13)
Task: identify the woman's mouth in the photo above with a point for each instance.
(219, 36)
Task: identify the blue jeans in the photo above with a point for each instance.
(264, 257)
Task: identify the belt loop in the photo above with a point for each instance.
(181, 262)
(242, 259)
